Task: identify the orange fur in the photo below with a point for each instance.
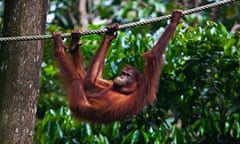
(94, 99)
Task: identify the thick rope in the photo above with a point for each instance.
(124, 26)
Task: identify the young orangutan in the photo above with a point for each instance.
(95, 99)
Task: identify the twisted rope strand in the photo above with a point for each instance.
(124, 26)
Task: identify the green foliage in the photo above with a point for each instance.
(203, 64)
(198, 97)
(201, 76)
(59, 127)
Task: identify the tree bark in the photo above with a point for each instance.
(20, 64)
(82, 13)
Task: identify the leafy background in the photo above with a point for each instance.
(198, 97)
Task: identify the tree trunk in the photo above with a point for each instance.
(20, 64)
(82, 13)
